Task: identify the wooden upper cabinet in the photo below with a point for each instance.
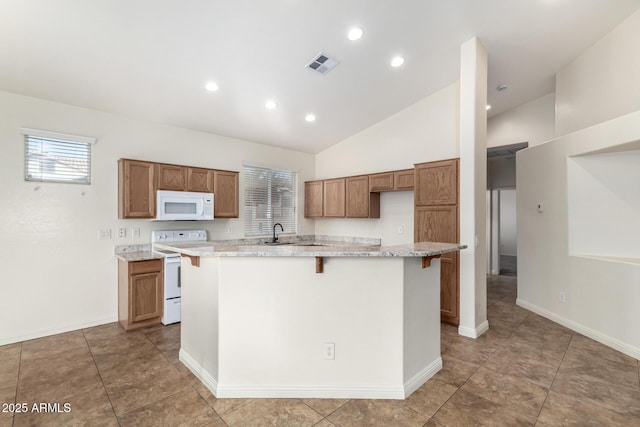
(403, 180)
(360, 202)
(136, 189)
(436, 183)
(334, 198)
(436, 224)
(172, 177)
(226, 194)
(313, 199)
(381, 182)
(200, 180)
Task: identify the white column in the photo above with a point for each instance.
(473, 186)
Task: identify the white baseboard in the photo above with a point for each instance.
(57, 330)
(422, 377)
(205, 377)
(321, 392)
(474, 332)
(581, 329)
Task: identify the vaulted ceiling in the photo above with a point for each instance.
(151, 59)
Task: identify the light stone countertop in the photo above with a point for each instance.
(138, 256)
(316, 248)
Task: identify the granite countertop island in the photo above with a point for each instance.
(259, 321)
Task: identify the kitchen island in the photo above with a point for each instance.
(321, 319)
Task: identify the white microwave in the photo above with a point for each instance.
(183, 206)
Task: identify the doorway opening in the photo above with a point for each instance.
(502, 247)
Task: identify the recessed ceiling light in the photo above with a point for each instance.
(310, 118)
(211, 86)
(270, 104)
(397, 61)
(488, 107)
(355, 34)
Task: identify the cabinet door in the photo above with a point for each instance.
(225, 194)
(136, 190)
(403, 180)
(334, 198)
(381, 182)
(200, 180)
(313, 199)
(358, 202)
(436, 183)
(440, 224)
(172, 177)
(145, 296)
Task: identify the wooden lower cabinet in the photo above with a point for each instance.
(140, 293)
(440, 224)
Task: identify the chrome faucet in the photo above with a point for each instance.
(275, 238)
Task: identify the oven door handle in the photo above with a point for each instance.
(179, 276)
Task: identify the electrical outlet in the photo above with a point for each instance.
(135, 231)
(122, 232)
(540, 207)
(329, 351)
(104, 234)
(400, 229)
(563, 297)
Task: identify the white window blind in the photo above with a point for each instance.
(55, 157)
(270, 197)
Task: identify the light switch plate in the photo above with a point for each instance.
(540, 207)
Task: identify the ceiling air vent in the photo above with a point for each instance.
(322, 63)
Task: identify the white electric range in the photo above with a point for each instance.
(172, 281)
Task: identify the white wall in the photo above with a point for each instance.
(533, 122)
(57, 274)
(603, 82)
(601, 294)
(426, 131)
(604, 204)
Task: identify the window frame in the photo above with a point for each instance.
(31, 136)
(270, 217)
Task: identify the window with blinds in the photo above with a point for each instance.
(270, 197)
(50, 157)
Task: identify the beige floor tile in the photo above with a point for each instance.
(580, 343)
(514, 393)
(54, 380)
(8, 396)
(112, 367)
(126, 344)
(87, 408)
(325, 406)
(185, 372)
(577, 363)
(6, 421)
(184, 408)
(9, 364)
(624, 400)
(518, 364)
(52, 346)
(324, 423)
(221, 406)
(430, 397)
(273, 412)
(455, 371)
(468, 409)
(471, 350)
(138, 389)
(560, 410)
(377, 413)
(107, 331)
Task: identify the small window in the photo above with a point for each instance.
(270, 197)
(53, 157)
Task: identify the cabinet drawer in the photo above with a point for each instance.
(150, 266)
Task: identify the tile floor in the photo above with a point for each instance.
(526, 370)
